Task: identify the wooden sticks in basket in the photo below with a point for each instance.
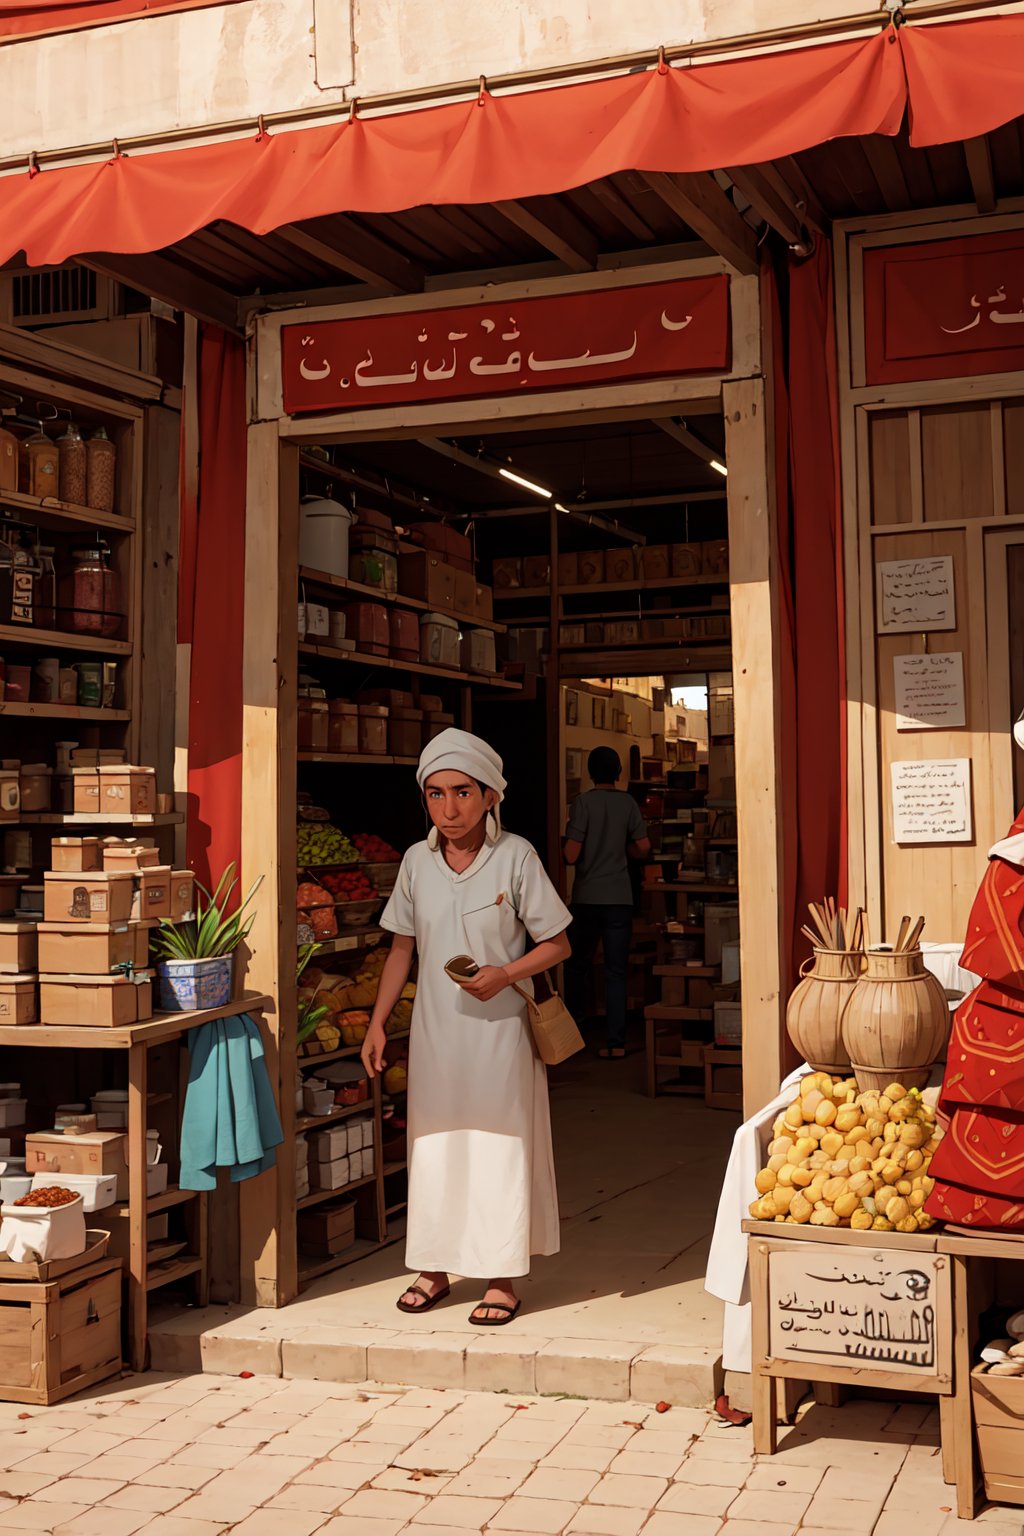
(839, 930)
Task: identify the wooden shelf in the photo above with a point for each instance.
(346, 941)
(305, 1123)
(695, 887)
(393, 1210)
(679, 968)
(169, 1197)
(60, 640)
(171, 1270)
(389, 664)
(318, 1196)
(162, 1026)
(370, 759)
(346, 1051)
(667, 583)
(55, 514)
(85, 819)
(314, 578)
(390, 1168)
(360, 1249)
(68, 712)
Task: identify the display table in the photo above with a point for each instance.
(136, 1039)
(857, 1309)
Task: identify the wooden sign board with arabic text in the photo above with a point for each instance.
(505, 347)
(840, 1311)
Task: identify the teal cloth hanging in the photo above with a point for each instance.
(230, 1118)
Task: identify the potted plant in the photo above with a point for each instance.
(195, 959)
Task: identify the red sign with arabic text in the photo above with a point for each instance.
(642, 331)
(944, 309)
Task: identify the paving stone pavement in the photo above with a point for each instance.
(258, 1456)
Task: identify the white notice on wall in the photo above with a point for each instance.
(930, 692)
(931, 801)
(915, 595)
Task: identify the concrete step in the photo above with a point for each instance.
(229, 1340)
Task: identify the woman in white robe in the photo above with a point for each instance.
(482, 1197)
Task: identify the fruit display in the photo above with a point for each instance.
(374, 850)
(349, 885)
(840, 1158)
(315, 909)
(320, 842)
(349, 1000)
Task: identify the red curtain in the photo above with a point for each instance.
(20, 19)
(211, 591)
(964, 77)
(813, 685)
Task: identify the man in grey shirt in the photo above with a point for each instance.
(605, 831)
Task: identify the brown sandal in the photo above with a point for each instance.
(429, 1300)
(494, 1306)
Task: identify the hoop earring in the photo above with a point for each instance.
(433, 839)
(492, 828)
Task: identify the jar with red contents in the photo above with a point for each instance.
(95, 594)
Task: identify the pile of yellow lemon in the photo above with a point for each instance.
(840, 1158)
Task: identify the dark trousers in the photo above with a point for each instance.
(612, 926)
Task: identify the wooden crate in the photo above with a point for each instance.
(723, 1077)
(998, 1405)
(61, 1336)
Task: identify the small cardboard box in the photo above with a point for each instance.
(715, 557)
(328, 1229)
(17, 948)
(127, 790)
(721, 923)
(536, 570)
(95, 1002)
(464, 591)
(685, 559)
(183, 897)
(426, 577)
(330, 1144)
(483, 601)
(18, 999)
(729, 1020)
(333, 1175)
(591, 567)
(141, 931)
(568, 569)
(355, 1166)
(87, 898)
(94, 1152)
(656, 562)
(85, 949)
(79, 854)
(620, 564)
(130, 854)
(508, 572)
(152, 894)
(87, 791)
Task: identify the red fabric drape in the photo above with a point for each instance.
(813, 682)
(737, 112)
(20, 19)
(215, 542)
(963, 78)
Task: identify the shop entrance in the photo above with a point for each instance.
(448, 615)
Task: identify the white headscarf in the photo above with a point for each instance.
(461, 752)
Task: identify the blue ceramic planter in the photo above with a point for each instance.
(188, 984)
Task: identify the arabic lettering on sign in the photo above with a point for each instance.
(641, 331)
(943, 308)
(868, 1309)
(916, 595)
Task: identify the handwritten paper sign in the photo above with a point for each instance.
(931, 801)
(915, 595)
(634, 331)
(930, 692)
(871, 1309)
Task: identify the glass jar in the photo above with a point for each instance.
(100, 462)
(46, 588)
(72, 457)
(95, 594)
(43, 460)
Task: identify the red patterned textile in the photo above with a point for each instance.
(979, 1164)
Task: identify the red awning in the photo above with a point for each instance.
(736, 112)
(20, 19)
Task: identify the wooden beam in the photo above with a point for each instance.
(689, 440)
(776, 209)
(979, 168)
(699, 201)
(163, 278)
(357, 252)
(881, 156)
(755, 607)
(622, 209)
(556, 228)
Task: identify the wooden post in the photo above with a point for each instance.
(754, 600)
(137, 1225)
(553, 702)
(270, 660)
